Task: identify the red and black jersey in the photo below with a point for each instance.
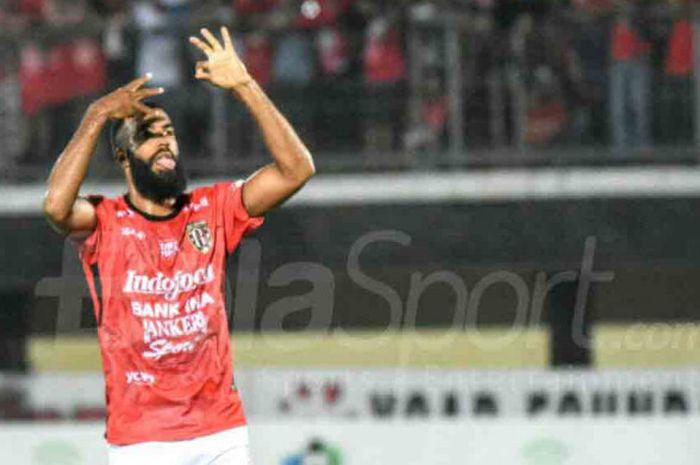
(158, 287)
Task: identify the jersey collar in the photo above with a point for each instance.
(179, 203)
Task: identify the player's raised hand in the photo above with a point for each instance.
(223, 67)
(126, 101)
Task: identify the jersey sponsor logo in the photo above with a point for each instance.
(199, 235)
(155, 310)
(162, 347)
(168, 248)
(154, 330)
(170, 309)
(165, 329)
(198, 302)
(124, 213)
(168, 287)
(139, 377)
(195, 207)
(140, 235)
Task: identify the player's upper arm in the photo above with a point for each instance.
(79, 223)
(267, 188)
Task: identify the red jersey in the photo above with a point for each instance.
(158, 287)
(679, 60)
(627, 44)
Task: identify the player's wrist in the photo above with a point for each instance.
(244, 87)
(98, 111)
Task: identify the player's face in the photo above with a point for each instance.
(156, 144)
(154, 164)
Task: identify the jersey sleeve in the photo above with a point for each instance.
(236, 220)
(88, 248)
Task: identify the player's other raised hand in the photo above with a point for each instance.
(126, 101)
(223, 67)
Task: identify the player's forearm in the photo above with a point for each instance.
(290, 155)
(71, 168)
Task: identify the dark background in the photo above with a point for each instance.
(651, 245)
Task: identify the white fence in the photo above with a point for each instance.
(513, 442)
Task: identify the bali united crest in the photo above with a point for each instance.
(199, 235)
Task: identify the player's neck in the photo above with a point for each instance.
(149, 206)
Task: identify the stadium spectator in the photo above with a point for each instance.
(117, 41)
(332, 52)
(11, 117)
(384, 75)
(427, 133)
(159, 48)
(293, 62)
(630, 76)
(293, 72)
(162, 27)
(59, 67)
(590, 52)
(677, 90)
(258, 56)
(541, 49)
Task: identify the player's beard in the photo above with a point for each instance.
(157, 186)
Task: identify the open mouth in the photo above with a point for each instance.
(165, 160)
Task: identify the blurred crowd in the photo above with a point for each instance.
(363, 76)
